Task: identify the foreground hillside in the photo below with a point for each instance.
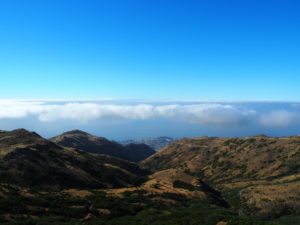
(207, 181)
(262, 172)
(27, 159)
(42, 182)
(95, 207)
(223, 160)
(182, 203)
(99, 145)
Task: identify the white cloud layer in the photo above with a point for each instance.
(205, 114)
(211, 114)
(280, 118)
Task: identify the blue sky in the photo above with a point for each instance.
(158, 49)
(217, 68)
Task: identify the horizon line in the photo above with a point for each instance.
(149, 137)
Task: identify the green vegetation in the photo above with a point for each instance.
(181, 184)
(293, 167)
(132, 209)
(232, 165)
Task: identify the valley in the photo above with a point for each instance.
(78, 178)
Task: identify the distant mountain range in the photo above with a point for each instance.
(93, 144)
(155, 143)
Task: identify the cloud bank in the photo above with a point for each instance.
(280, 118)
(207, 114)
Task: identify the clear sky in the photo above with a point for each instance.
(206, 63)
(150, 49)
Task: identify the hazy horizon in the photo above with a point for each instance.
(121, 120)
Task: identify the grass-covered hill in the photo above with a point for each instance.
(262, 172)
(99, 145)
(27, 159)
(206, 181)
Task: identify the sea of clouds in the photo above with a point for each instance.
(222, 114)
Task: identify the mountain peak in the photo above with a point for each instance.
(76, 132)
(27, 159)
(100, 145)
(23, 132)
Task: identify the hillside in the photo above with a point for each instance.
(29, 160)
(260, 170)
(231, 159)
(207, 181)
(93, 144)
(42, 182)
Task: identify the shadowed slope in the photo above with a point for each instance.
(262, 172)
(93, 144)
(29, 160)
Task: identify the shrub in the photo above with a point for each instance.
(181, 184)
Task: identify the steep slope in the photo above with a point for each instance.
(258, 170)
(166, 184)
(40, 179)
(231, 159)
(155, 143)
(137, 152)
(26, 159)
(93, 144)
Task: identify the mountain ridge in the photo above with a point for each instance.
(246, 166)
(27, 159)
(204, 180)
(100, 145)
